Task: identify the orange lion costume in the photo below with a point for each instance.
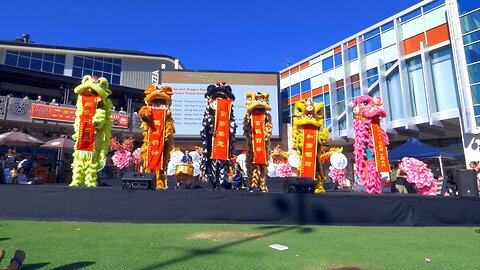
(158, 127)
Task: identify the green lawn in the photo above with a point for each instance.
(79, 245)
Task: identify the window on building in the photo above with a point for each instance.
(410, 15)
(471, 37)
(470, 22)
(352, 53)
(390, 64)
(387, 26)
(474, 73)
(305, 85)
(444, 79)
(432, 5)
(394, 93)
(109, 68)
(338, 59)
(372, 33)
(372, 44)
(417, 87)
(284, 93)
(472, 53)
(340, 92)
(51, 63)
(327, 63)
(372, 76)
(295, 89)
(466, 6)
(476, 94)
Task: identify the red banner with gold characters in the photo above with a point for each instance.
(381, 156)
(221, 134)
(156, 132)
(67, 114)
(309, 154)
(258, 127)
(86, 132)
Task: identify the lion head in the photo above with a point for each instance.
(93, 86)
(159, 97)
(308, 112)
(218, 91)
(257, 101)
(368, 107)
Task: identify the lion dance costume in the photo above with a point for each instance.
(257, 128)
(309, 133)
(158, 127)
(218, 134)
(93, 120)
(370, 142)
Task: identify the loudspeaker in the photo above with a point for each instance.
(136, 180)
(466, 182)
(298, 185)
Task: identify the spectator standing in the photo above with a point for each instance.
(400, 183)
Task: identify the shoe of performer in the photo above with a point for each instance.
(17, 261)
(2, 254)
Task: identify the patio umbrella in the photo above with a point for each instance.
(63, 143)
(18, 138)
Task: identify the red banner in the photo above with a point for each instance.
(67, 114)
(309, 154)
(381, 156)
(258, 127)
(221, 134)
(86, 132)
(155, 135)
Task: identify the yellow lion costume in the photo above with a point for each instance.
(158, 127)
(309, 133)
(257, 128)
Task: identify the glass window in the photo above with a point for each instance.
(327, 98)
(475, 36)
(116, 79)
(372, 44)
(327, 63)
(371, 33)
(372, 80)
(390, 64)
(37, 56)
(328, 113)
(48, 57)
(107, 76)
(476, 110)
(342, 124)
(372, 72)
(87, 72)
(107, 67)
(410, 15)
(466, 6)
(98, 58)
(97, 65)
(97, 73)
(88, 63)
(352, 53)
(444, 80)
(11, 59)
(108, 60)
(24, 62)
(417, 87)
(432, 5)
(477, 120)
(375, 92)
(117, 69)
(338, 59)
(318, 98)
(476, 94)
(26, 54)
(328, 122)
(305, 85)
(355, 90)
(58, 68)
(395, 96)
(295, 89)
(77, 72)
(472, 53)
(47, 66)
(284, 94)
(36, 64)
(474, 73)
(60, 58)
(387, 26)
(340, 94)
(77, 61)
(117, 61)
(470, 22)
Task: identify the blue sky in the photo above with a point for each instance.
(205, 35)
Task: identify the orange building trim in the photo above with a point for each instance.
(294, 70)
(412, 44)
(317, 91)
(304, 65)
(352, 42)
(438, 34)
(337, 49)
(284, 74)
(293, 99)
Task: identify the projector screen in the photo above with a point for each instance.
(189, 103)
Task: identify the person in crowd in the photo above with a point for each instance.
(237, 177)
(16, 262)
(20, 177)
(54, 102)
(474, 165)
(114, 108)
(26, 164)
(11, 156)
(122, 111)
(400, 183)
(3, 162)
(187, 158)
(449, 184)
(7, 172)
(39, 100)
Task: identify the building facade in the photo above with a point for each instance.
(424, 63)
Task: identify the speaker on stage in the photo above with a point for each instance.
(466, 182)
(298, 185)
(137, 180)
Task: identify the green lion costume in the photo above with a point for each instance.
(93, 120)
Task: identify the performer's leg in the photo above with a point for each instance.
(160, 180)
(17, 261)
(262, 178)
(91, 175)
(78, 176)
(255, 177)
(319, 179)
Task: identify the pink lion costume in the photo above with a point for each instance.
(370, 142)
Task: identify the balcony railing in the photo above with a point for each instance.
(18, 109)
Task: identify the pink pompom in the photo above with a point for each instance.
(136, 156)
(284, 170)
(121, 159)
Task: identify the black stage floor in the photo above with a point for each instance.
(112, 204)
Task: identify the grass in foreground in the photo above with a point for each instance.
(79, 245)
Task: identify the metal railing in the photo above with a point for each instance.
(18, 109)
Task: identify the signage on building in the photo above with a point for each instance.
(66, 114)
